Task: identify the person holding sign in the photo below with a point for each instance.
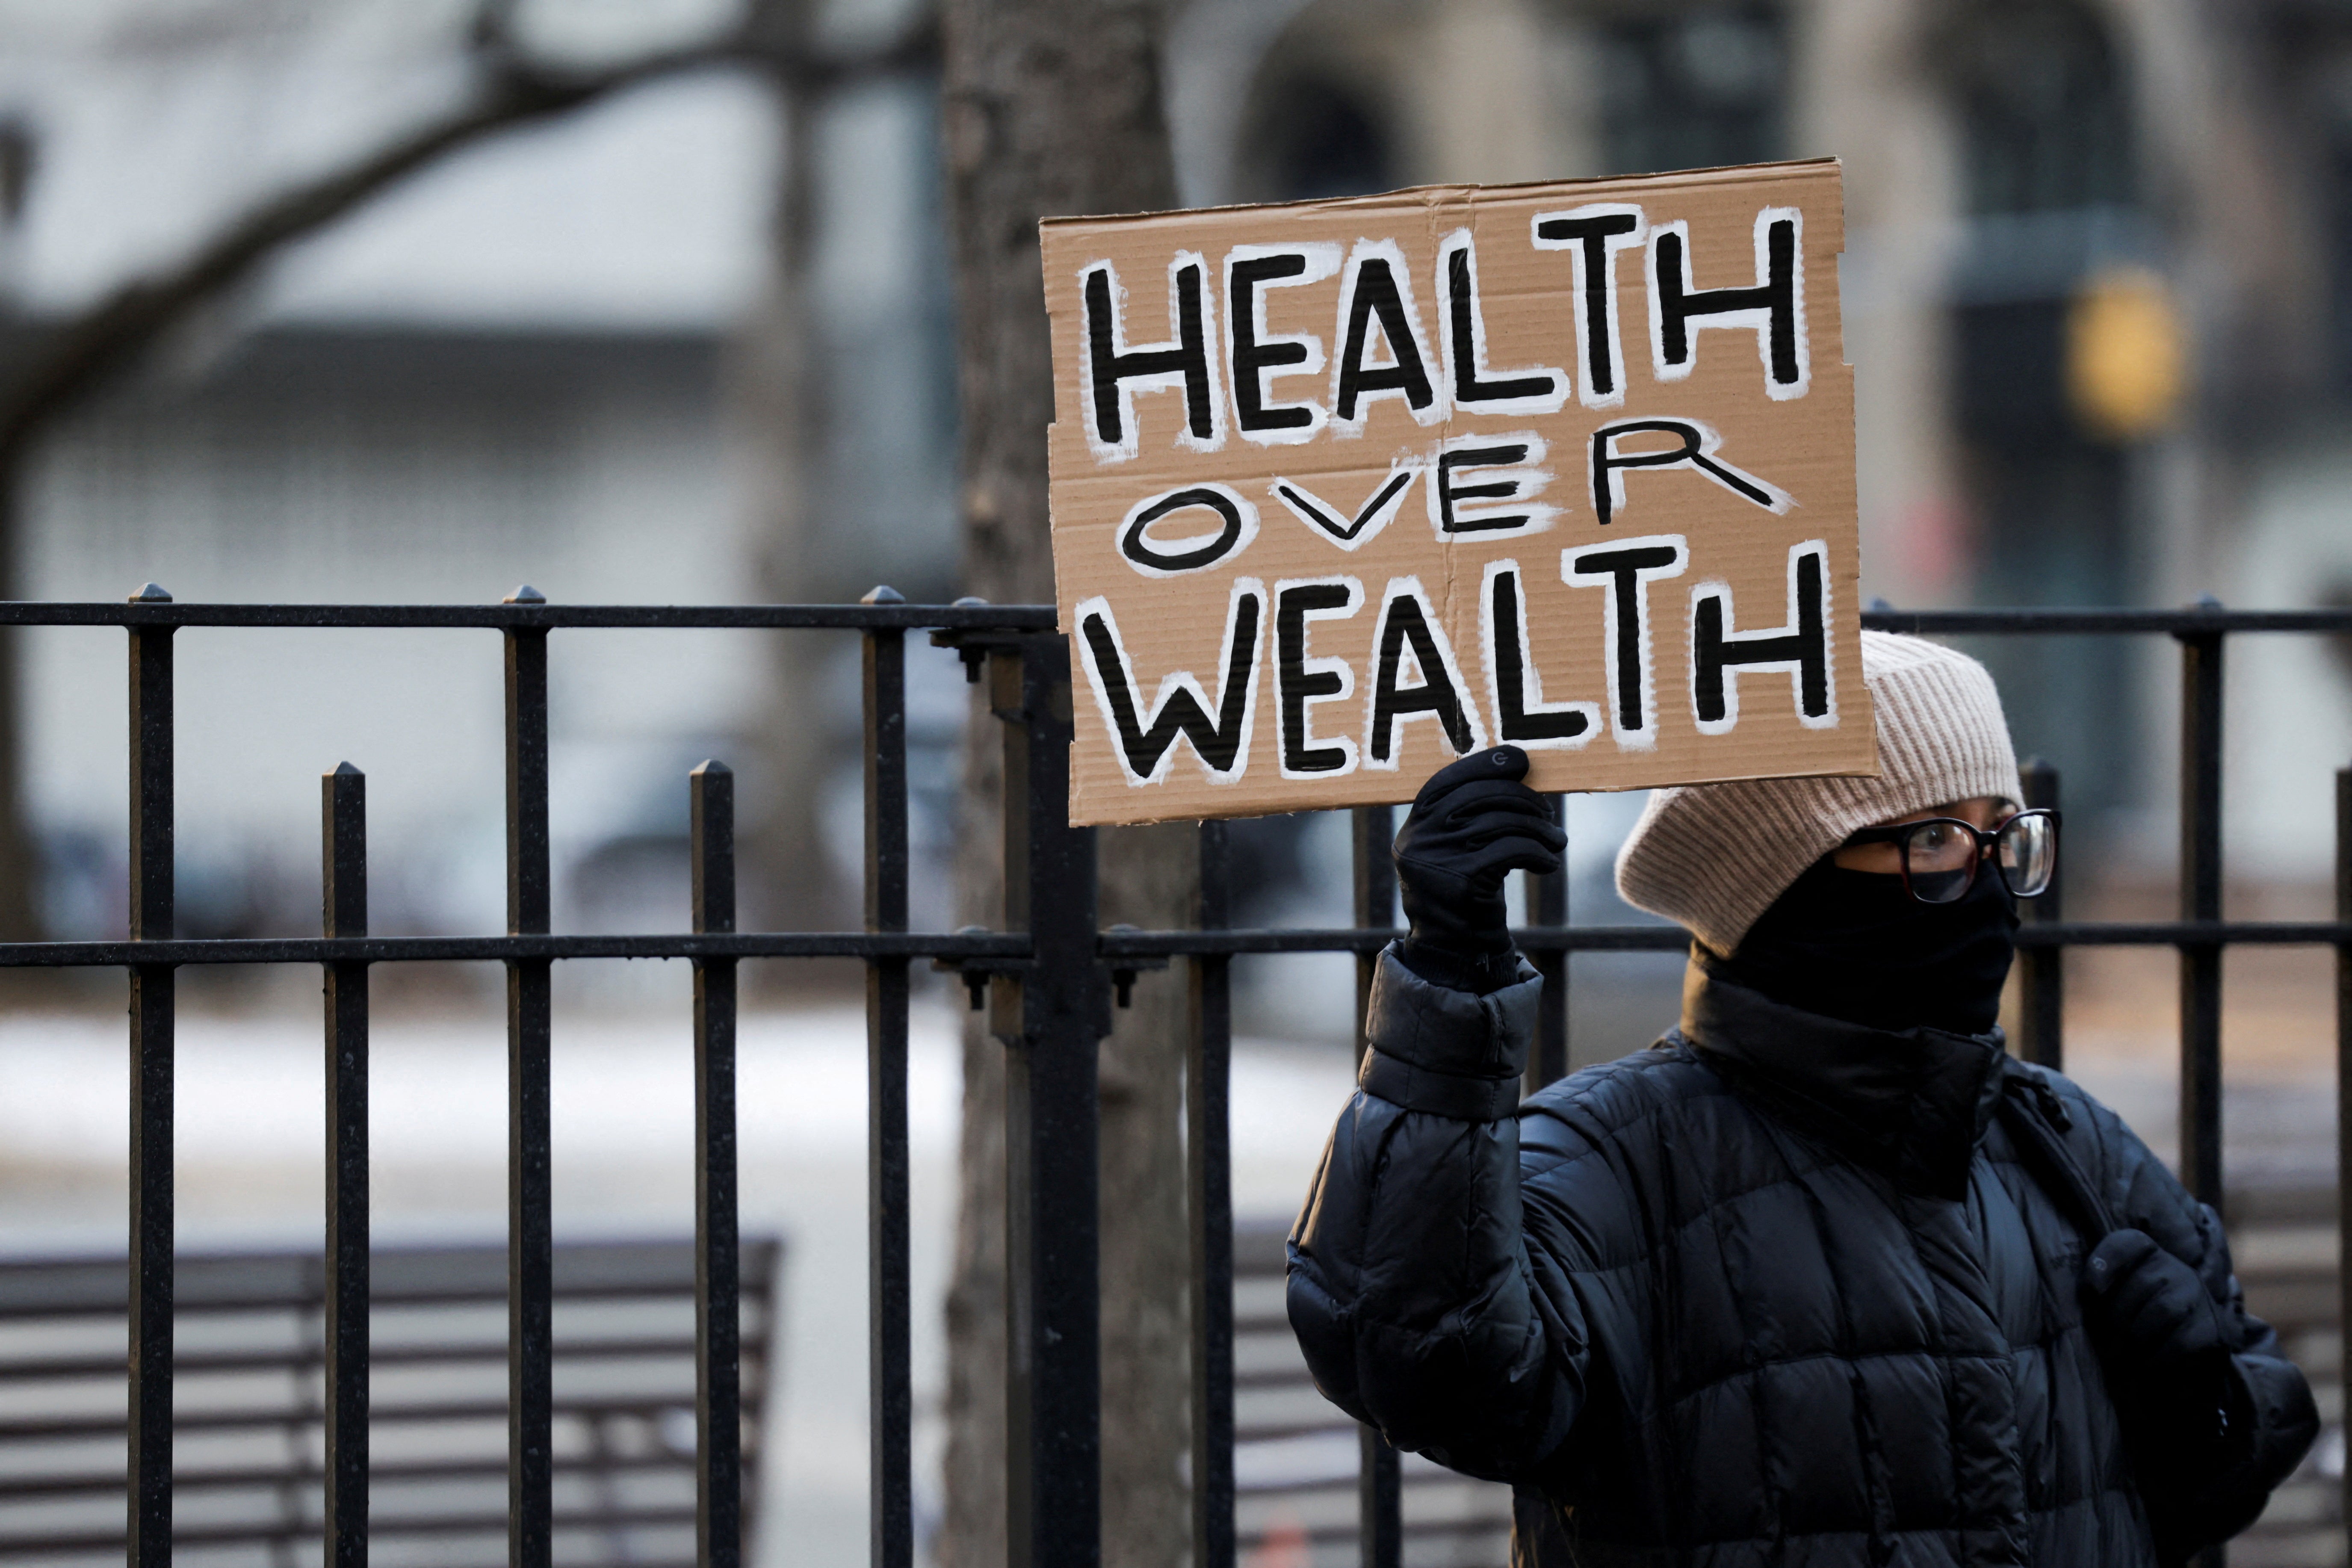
(1823, 1275)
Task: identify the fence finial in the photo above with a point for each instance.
(526, 594)
(883, 594)
(153, 594)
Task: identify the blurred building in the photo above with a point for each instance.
(2098, 293)
(548, 360)
(2095, 295)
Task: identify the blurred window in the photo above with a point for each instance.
(2043, 98)
(2315, 52)
(1694, 89)
(1310, 136)
(2043, 359)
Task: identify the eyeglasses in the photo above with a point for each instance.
(1941, 854)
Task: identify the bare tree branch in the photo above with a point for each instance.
(81, 355)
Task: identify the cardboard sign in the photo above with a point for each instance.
(1343, 489)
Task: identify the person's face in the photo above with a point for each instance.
(1984, 811)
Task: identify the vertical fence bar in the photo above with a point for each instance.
(889, 1285)
(2042, 971)
(1052, 1017)
(1208, 1155)
(2201, 899)
(1548, 907)
(1372, 829)
(530, 1233)
(1380, 1491)
(2344, 1119)
(2201, 963)
(718, 1321)
(152, 1053)
(342, 811)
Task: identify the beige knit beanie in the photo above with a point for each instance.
(1714, 856)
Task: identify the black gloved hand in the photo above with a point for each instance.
(1472, 824)
(2154, 1310)
(2163, 1340)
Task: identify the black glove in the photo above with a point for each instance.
(2154, 1310)
(2185, 1410)
(1473, 822)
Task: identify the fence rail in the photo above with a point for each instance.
(1048, 978)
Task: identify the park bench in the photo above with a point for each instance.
(248, 1383)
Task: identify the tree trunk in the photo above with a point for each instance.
(772, 376)
(1151, 877)
(1053, 107)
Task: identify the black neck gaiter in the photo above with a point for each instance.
(1854, 945)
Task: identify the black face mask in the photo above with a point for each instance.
(1856, 945)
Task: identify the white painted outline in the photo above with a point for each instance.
(1387, 251)
(1611, 246)
(1644, 739)
(1322, 257)
(1148, 715)
(1400, 588)
(1531, 480)
(1242, 504)
(1131, 429)
(1720, 591)
(1710, 441)
(1307, 738)
(1757, 318)
(1531, 693)
(1461, 242)
(1390, 509)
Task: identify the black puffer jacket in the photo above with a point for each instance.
(1779, 1289)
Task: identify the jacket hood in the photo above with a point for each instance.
(1911, 1104)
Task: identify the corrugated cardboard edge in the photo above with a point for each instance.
(1435, 193)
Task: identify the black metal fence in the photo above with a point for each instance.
(1049, 978)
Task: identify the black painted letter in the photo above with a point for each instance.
(1516, 454)
(1114, 373)
(1625, 570)
(1180, 708)
(1237, 525)
(1372, 291)
(1521, 715)
(1695, 450)
(1537, 391)
(1802, 647)
(1407, 625)
(1774, 308)
(1595, 235)
(1299, 680)
(1255, 352)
